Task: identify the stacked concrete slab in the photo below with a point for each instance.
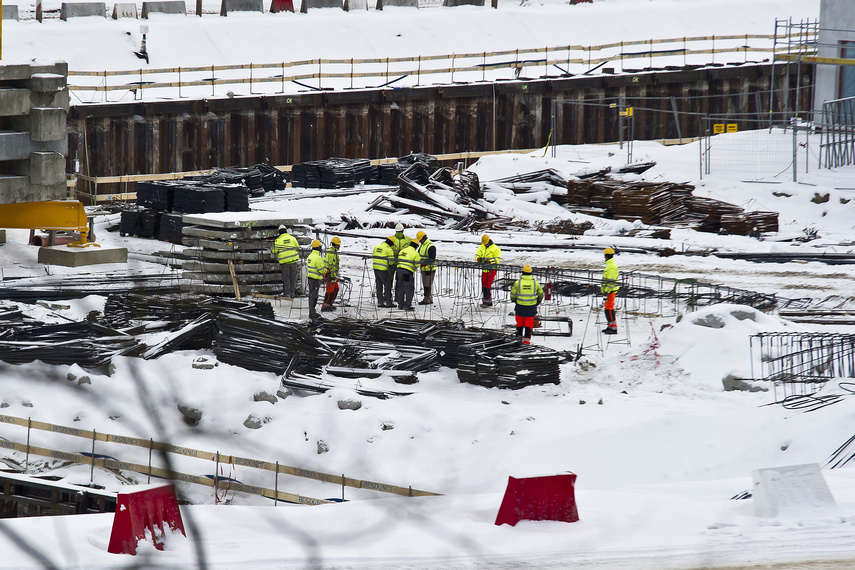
(33, 140)
(245, 239)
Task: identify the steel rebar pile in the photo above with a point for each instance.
(262, 344)
(507, 363)
(69, 343)
(127, 309)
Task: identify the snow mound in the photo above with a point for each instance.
(714, 342)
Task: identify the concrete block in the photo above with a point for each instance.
(10, 12)
(48, 124)
(241, 6)
(14, 189)
(2, 236)
(14, 101)
(463, 2)
(47, 82)
(401, 3)
(792, 491)
(14, 146)
(47, 168)
(312, 4)
(60, 99)
(58, 67)
(15, 72)
(165, 7)
(82, 10)
(81, 256)
(125, 10)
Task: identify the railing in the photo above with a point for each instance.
(328, 74)
(218, 482)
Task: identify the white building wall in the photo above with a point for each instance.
(836, 24)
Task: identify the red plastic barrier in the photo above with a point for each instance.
(550, 498)
(282, 6)
(153, 510)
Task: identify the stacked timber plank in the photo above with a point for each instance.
(244, 239)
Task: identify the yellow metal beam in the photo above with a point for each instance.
(51, 215)
(814, 59)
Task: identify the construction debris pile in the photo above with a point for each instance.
(160, 204)
(664, 204)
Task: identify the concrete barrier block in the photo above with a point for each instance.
(14, 146)
(47, 82)
(124, 10)
(82, 10)
(312, 4)
(165, 7)
(400, 3)
(14, 102)
(82, 256)
(59, 68)
(60, 99)
(12, 72)
(48, 124)
(452, 3)
(15, 189)
(47, 168)
(277, 6)
(10, 12)
(241, 6)
(795, 491)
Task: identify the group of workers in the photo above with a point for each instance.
(395, 261)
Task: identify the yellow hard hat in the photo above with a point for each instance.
(527, 269)
(420, 235)
(390, 240)
(316, 243)
(414, 243)
(485, 239)
(609, 251)
(336, 240)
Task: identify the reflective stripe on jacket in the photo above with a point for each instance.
(489, 253)
(408, 259)
(316, 266)
(331, 262)
(526, 291)
(610, 282)
(424, 247)
(286, 249)
(382, 255)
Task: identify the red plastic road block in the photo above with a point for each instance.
(550, 498)
(154, 510)
(282, 6)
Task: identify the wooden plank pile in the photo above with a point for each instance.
(233, 250)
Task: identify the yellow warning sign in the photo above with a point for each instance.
(732, 127)
(718, 128)
(627, 113)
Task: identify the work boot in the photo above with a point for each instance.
(487, 303)
(409, 308)
(327, 308)
(609, 330)
(425, 302)
(390, 305)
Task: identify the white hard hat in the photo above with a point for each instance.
(283, 228)
(399, 227)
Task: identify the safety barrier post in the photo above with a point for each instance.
(179, 82)
(276, 487)
(92, 465)
(216, 478)
(250, 79)
(342, 486)
(150, 447)
(27, 458)
(212, 81)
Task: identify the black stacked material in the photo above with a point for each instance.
(197, 200)
(170, 227)
(306, 175)
(388, 173)
(401, 331)
(261, 344)
(448, 342)
(507, 363)
(156, 195)
(123, 310)
(148, 224)
(380, 355)
(236, 198)
(129, 222)
(430, 162)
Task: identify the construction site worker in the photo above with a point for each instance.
(489, 255)
(427, 253)
(316, 268)
(331, 276)
(408, 260)
(287, 252)
(609, 287)
(399, 241)
(381, 256)
(527, 294)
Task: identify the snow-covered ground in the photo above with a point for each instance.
(658, 446)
